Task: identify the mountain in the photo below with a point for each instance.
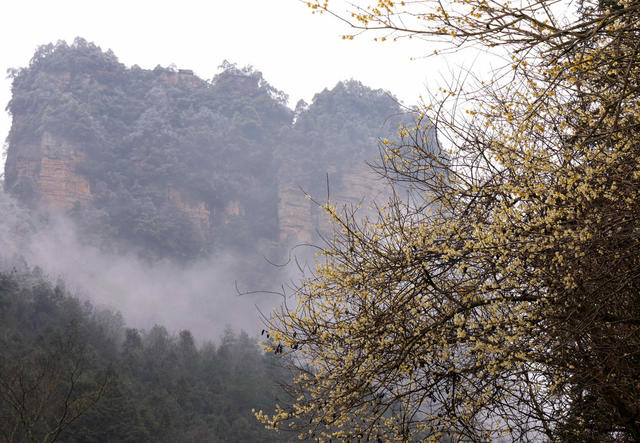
(160, 164)
(177, 166)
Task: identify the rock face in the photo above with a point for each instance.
(300, 218)
(185, 76)
(295, 214)
(50, 167)
(234, 209)
(60, 186)
(195, 210)
(50, 164)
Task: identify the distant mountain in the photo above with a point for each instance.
(177, 166)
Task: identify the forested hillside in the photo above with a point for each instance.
(76, 372)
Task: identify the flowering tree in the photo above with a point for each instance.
(502, 298)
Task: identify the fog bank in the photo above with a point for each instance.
(201, 296)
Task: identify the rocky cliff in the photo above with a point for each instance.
(196, 210)
(46, 169)
(302, 220)
(170, 162)
(49, 168)
(51, 163)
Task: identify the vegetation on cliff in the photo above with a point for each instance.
(177, 165)
(341, 127)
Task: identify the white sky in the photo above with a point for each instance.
(296, 51)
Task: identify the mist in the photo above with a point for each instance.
(204, 296)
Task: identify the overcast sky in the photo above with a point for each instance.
(296, 51)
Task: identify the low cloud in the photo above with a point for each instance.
(201, 296)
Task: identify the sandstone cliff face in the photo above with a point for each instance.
(50, 164)
(195, 210)
(60, 186)
(233, 208)
(301, 219)
(295, 214)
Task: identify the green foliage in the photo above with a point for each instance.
(342, 126)
(160, 387)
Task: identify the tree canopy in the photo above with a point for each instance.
(500, 299)
(339, 128)
(71, 372)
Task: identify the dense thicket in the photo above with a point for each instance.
(76, 373)
(220, 141)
